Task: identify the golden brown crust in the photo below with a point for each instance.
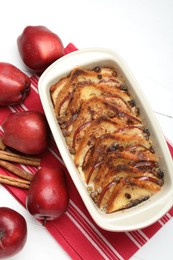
(107, 139)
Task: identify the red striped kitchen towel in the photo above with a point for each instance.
(75, 231)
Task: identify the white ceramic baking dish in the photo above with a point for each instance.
(147, 212)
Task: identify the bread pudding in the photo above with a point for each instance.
(108, 141)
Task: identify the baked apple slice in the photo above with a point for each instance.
(78, 75)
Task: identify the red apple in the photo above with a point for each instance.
(14, 85)
(13, 232)
(48, 197)
(39, 47)
(26, 132)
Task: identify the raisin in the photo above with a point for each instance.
(146, 131)
(160, 174)
(131, 103)
(97, 69)
(123, 87)
(113, 147)
(127, 195)
(99, 76)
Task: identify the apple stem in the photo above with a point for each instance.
(44, 221)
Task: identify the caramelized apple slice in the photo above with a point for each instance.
(79, 75)
(97, 128)
(56, 88)
(86, 90)
(91, 110)
(126, 193)
(116, 160)
(105, 175)
(123, 137)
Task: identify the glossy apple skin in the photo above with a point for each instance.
(14, 85)
(48, 196)
(26, 132)
(13, 232)
(39, 47)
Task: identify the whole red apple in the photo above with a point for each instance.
(48, 197)
(39, 47)
(26, 132)
(13, 232)
(14, 85)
